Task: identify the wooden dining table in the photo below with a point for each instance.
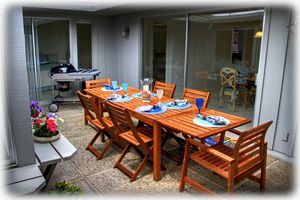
(150, 119)
(177, 120)
(184, 123)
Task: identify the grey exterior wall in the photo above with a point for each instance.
(17, 87)
(117, 57)
(274, 99)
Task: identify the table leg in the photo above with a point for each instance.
(156, 151)
(100, 107)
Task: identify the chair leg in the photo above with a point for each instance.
(105, 149)
(184, 166)
(220, 101)
(263, 171)
(127, 148)
(233, 106)
(102, 138)
(90, 145)
(140, 167)
(230, 181)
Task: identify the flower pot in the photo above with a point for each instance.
(46, 139)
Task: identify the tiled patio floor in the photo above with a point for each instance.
(97, 177)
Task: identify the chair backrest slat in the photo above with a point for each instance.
(249, 148)
(120, 115)
(191, 95)
(90, 106)
(89, 84)
(168, 88)
(228, 77)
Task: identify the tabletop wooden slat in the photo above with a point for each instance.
(184, 123)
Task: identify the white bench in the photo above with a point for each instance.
(30, 179)
(49, 154)
(24, 180)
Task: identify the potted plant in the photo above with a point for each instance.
(44, 125)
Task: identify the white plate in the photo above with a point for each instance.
(178, 107)
(141, 110)
(204, 123)
(106, 90)
(126, 99)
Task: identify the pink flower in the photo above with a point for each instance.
(37, 121)
(51, 125)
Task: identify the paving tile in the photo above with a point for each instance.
(85, 187)
(64, 171)
(88, 164)
(113, 183)
(281, 176)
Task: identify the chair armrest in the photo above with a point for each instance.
(220, 155)
(235, 131)
(211, 150)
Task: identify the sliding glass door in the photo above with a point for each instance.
(47, 45)
(213, 41)
(163, 52)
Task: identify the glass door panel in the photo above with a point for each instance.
(47, 45)
(53, 47)
(84, 46)
(164, 47)
(224, 40)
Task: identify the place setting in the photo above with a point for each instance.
(210, 121)
(178, 104)
(112, 88)
(152, 109)
(120, 98)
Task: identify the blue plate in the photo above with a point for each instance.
(126, 99)
(152, 112)
(176, 107)
(138, 95)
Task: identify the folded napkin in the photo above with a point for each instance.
(178, 102)
(154, 108)
(215, 120)
(116, 96)
(113, 97)
(109, 87)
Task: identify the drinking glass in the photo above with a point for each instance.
(159, 93)
(114, 85)
(125, 86)
(199, 103)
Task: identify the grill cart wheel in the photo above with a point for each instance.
(53, 107)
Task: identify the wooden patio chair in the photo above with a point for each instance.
(168, 88)
(229, 87)
(103, 125)
(248, 155)
(136, 137)
(98, 83)
(191, 95)
(89, 84)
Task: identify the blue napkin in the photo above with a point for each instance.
(116, 96)
(212, 119)
(177, 102)
(154, 108)
(109, 87)
(210, 141)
